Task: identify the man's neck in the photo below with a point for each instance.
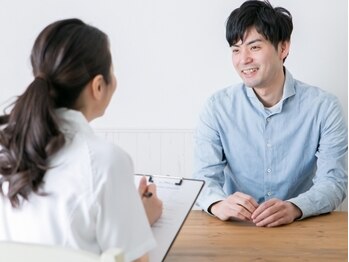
(271, 95)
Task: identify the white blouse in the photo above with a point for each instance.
(92, 202)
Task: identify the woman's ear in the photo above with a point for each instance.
(97, 86)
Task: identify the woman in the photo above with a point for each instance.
(60, 184)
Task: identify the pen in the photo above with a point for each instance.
(147, 194)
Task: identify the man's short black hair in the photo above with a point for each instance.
(275, 24)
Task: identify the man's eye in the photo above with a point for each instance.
(255, 47)
(235, 51)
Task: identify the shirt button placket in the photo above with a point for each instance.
(268, 159)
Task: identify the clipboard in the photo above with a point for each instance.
(178, 195)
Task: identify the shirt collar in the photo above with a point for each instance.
(73, 120)
(289, 84)
(288, 91)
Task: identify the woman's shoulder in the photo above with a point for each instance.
(100, 148)
(107, 159)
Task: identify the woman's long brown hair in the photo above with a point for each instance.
(66, 55)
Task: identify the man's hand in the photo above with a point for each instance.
(237, 205)
(275, 212)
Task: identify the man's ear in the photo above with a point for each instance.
(97, 85)
(284, 48)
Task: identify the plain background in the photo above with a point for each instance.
(171, 55)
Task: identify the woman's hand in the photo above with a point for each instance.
(152, 204)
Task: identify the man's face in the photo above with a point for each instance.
(257, 61)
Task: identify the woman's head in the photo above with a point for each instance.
(69, 58)
(68, 54)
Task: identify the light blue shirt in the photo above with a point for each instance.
(295, 151)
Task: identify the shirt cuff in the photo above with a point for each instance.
(303, 206)
(205, 203)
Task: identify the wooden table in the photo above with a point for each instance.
(205, 238)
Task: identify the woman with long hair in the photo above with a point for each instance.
(59, 183)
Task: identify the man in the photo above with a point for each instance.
(272, 149)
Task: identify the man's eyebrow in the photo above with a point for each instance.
(249, 43)
(254, 41)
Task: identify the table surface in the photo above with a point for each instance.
(206, 238)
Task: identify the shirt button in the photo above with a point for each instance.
(269, 193)
(268, 170)
(268, 119)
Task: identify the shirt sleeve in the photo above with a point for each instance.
(209, 159)
(121, 219)
(330, 182)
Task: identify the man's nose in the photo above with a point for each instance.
(246, 57)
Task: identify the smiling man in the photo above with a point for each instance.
(271, 149)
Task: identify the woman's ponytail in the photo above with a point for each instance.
(31, 135)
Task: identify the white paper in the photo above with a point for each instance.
(177, 202)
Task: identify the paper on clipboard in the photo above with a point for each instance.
(178, 196)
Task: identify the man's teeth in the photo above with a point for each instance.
(251, 70)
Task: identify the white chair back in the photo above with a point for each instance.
(20, 252)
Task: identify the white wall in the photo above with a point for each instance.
(171, 55)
